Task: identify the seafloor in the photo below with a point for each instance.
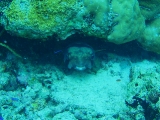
(124, 83)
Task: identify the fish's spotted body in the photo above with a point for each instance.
(79, 56)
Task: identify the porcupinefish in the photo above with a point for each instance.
(79, 56)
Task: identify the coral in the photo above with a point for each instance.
(40, 19)
(7, 47)
(98, 8)
(158, 104)
(154, 95)
(36, 19)
(4, 80)
(10, 49)
(144, 87)
(129, 23)
(114, 23)
(150, 39)
(117, 21)
(22, 79)
(149, 8)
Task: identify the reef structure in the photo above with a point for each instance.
(117, 21)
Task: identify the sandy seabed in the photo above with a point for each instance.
(45, 92)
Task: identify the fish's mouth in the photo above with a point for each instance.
(80, 68)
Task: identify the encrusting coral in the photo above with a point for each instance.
(117, 21)
(149, 8)
(38, 19)
(130, 22)
(150, 39)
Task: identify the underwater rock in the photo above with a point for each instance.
(39, 19)
(116, 21)
(145, 87)
(80, 56)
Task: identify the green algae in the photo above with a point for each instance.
(39, 15)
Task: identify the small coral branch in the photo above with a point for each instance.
(10, 49)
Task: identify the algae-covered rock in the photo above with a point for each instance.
(39, 19)
(117, 21)
(144, 89)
